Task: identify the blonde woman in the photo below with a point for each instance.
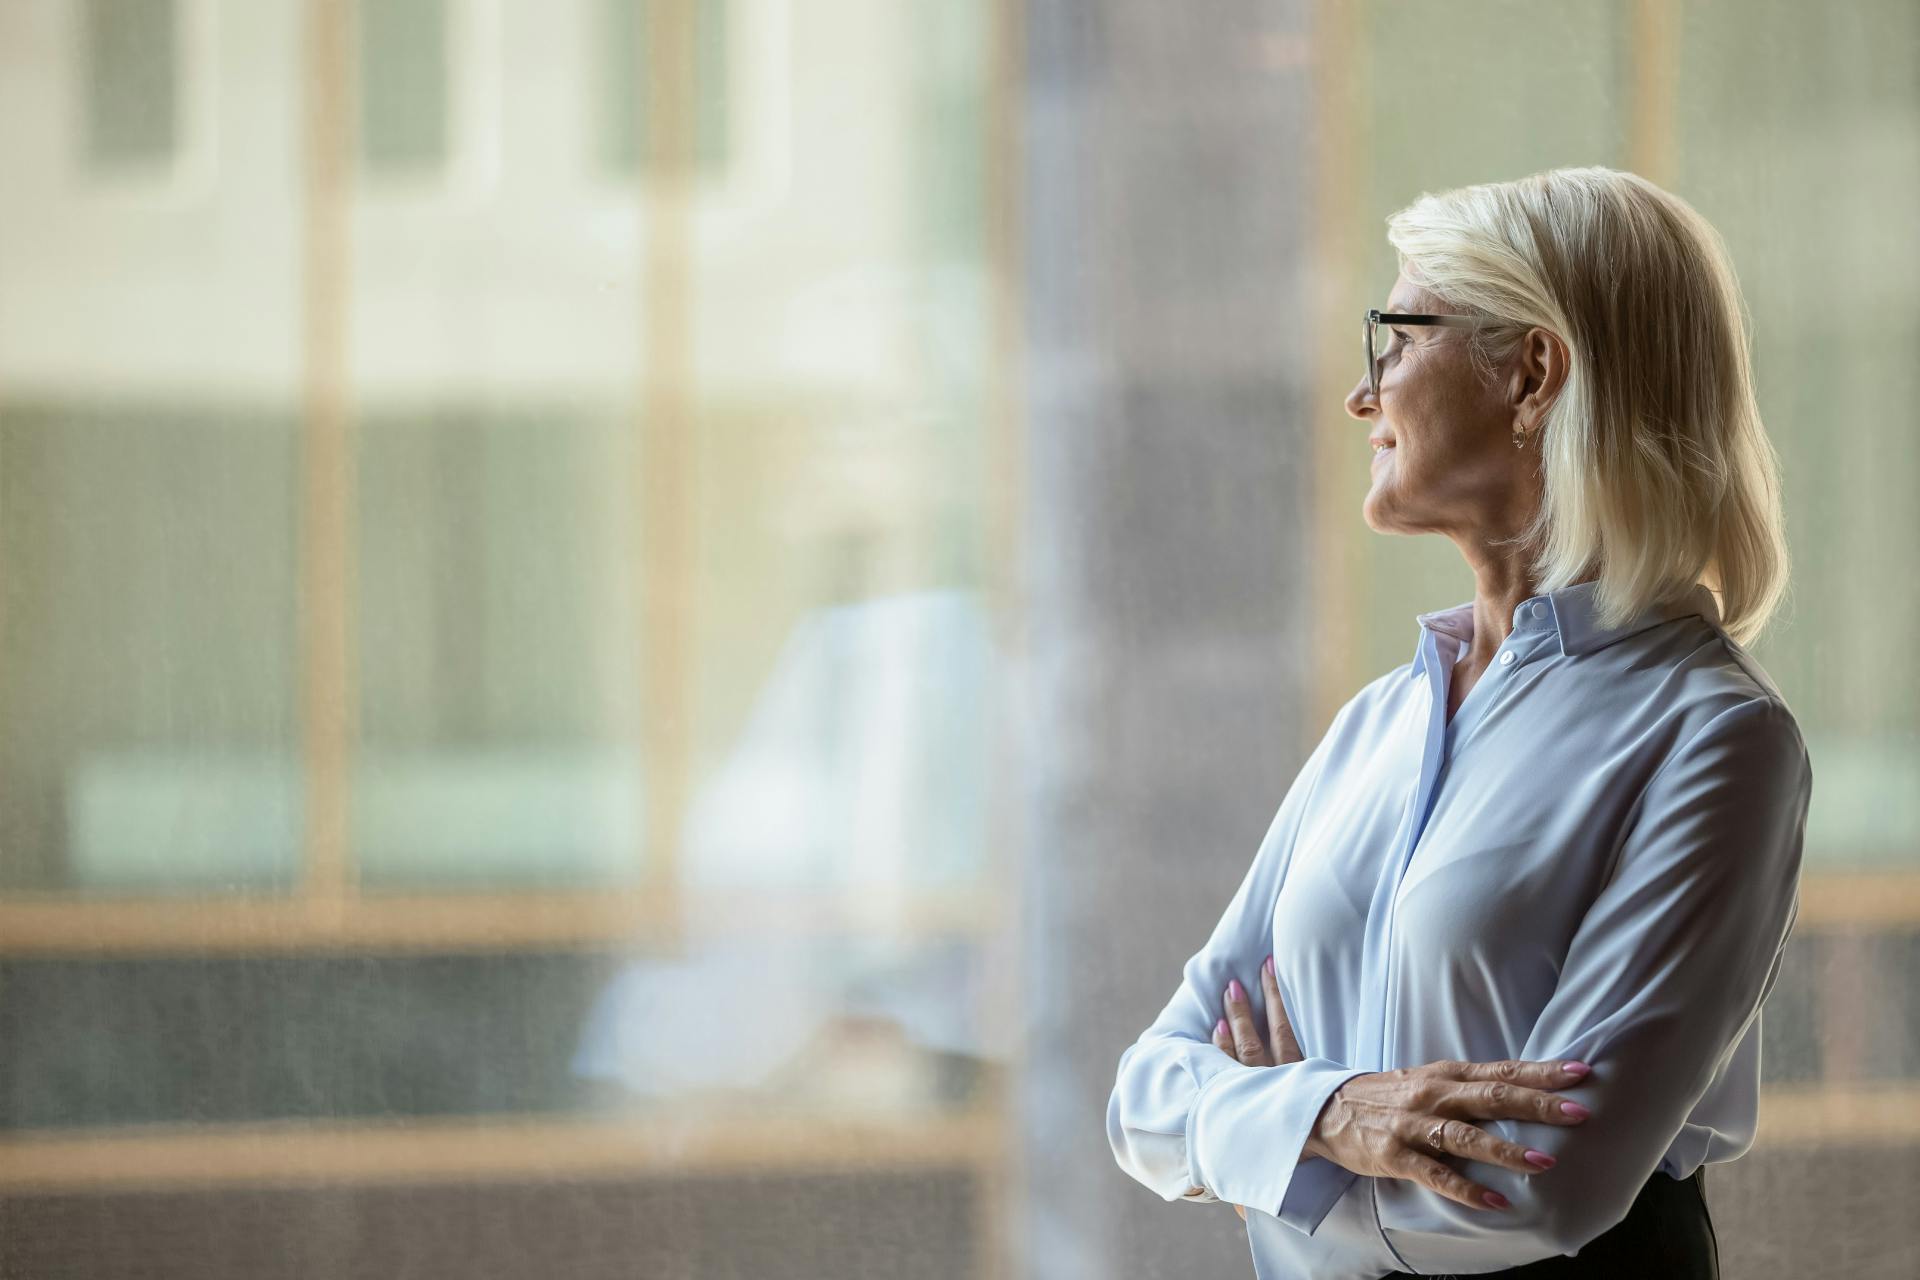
(1489, 994)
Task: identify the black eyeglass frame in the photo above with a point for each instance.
(1377, 317)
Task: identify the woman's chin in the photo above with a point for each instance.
(1375, 511)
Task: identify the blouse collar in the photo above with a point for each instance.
(1571, 614)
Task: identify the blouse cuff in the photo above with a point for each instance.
(1247, 1128)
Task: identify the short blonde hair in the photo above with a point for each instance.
(1657, 471)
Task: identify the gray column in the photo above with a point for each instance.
(1169, 197)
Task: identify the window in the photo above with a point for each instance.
(132, 83)
(390, 667)
(405, 79)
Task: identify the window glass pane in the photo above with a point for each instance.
(132, 81)
(150, 723)
(405, 78)
(498, 650)
(149, 589)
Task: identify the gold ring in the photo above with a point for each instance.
(1433, 1138)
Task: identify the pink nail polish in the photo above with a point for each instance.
(1495, 1199)
(1235, 990)
(1575, 1068)
(1575, 1110)
(1220, 1027)
(1540, 1158)
(1268, 966)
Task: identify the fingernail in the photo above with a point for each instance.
(1268, 966)
(1575, 1068)
(1540, 1158)
(1575, 1110)
(1495, 1199)
(1235, 990)
(1220, 1027)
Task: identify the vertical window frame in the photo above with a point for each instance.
(753, 176)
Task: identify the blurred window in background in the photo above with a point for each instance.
(499, 659)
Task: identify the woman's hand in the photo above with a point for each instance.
(1236, 1035)
(1385, 1123)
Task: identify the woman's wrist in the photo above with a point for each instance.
(1332, 1116)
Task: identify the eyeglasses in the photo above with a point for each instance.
(1376, 317)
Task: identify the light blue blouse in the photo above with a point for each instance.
(1598, 858)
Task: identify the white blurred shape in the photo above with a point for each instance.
(862, 768)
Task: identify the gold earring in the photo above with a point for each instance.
(1519, 439)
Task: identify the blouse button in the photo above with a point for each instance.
(1539, 610)
(1506, 658)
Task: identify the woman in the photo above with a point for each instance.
(1511, 928)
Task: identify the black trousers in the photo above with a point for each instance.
(1666, 1235)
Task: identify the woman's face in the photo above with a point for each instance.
(1452, 468)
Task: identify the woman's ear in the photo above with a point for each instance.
(1540, 372)
(1544, 363)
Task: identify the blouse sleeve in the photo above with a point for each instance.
(1665, 974)
(1184, 1114)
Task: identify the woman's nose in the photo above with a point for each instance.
(1360, 401)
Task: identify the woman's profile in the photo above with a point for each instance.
(1487, 999)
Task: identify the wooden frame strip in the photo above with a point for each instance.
(493, 921)
(327, 462)
(543, 1149)
(519, 1149)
